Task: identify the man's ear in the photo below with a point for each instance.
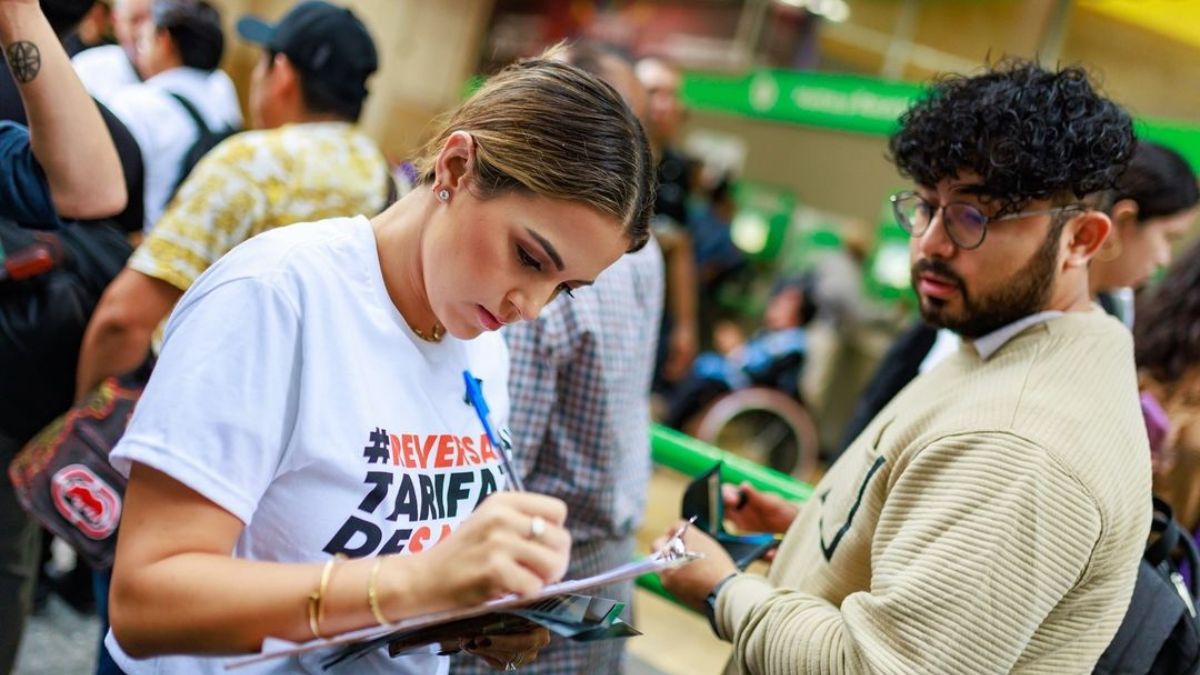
(454, 164)
(285, 79)
(1085, 234)
(166, 45)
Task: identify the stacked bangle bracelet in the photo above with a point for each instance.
(316, 599)
(372, 596)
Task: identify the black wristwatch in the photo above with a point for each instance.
(710, 603)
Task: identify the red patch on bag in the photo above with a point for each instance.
(86, 501)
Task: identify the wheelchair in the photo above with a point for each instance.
(764, 425)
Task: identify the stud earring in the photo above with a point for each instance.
(443, 194)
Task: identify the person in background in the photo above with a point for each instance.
(298, 375)
(773, 357)
(178, 53)
(106, 69)
(992, 517)
(679, 339)
(62, 165)
(1154, 205)
(580, 392)
(307, 160)
(1166, 338)
(719, 262)
(95, 30)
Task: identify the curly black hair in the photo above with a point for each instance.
(1166, 331)
(1029, 133)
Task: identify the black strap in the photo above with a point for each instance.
(192, 112)
(1170, 538)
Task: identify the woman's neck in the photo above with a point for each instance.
(398, 239)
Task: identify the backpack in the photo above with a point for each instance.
(206, 140)
(1160, 634)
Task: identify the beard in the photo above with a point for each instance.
(1026, 292)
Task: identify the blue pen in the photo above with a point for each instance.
(475, 396)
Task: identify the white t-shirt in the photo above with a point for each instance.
(163, 129)
(104, 70)
(292, 393)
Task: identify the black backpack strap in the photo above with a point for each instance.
(1163, 525)
(193, 113)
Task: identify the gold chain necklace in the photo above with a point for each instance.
(435, 334)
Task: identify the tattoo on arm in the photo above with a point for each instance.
(25, 61)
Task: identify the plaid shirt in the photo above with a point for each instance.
(579, 389)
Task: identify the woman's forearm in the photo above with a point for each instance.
(207, 603)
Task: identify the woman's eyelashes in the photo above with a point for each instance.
(527, 260)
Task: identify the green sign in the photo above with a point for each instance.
(843, 102)
(857, 104)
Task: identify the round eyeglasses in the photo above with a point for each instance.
(965, 224)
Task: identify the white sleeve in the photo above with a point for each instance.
(221, 404)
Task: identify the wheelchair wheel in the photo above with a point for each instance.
(766, 426)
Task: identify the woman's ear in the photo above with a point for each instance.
(452, 170)
(1125, 212)
(1124, 215)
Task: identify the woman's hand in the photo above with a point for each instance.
(514, 543)
(754, 511)
(508, 652)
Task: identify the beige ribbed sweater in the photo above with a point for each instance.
(989, 520)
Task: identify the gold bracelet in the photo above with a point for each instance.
(316, 599)
(372, 596)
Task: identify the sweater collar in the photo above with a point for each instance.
(989, 344)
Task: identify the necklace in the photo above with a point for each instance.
(435, 334)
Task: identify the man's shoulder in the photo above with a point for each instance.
(104, 70)
(292, 142)
(104, 57)
(138, 104)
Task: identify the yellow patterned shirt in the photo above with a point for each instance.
(259, 180)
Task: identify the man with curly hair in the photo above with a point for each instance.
(991, 518)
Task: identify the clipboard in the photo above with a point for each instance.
(702, 501)
(561, 616)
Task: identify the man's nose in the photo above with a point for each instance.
(935, 241)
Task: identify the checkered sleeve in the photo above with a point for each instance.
(535, 350)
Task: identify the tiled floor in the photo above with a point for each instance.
(59, 641)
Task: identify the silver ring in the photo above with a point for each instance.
(537, 527)
(512, 665)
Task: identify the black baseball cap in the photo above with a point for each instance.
(327, 43)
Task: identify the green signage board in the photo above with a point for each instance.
(856, 104)
(843, 102)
